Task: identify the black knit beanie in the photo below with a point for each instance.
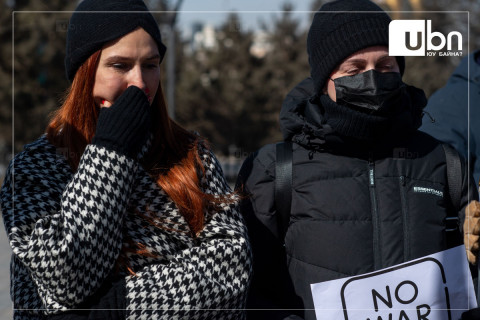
(341, 28)
(96, 22)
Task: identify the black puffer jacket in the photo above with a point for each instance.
(357, 206)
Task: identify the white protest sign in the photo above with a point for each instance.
(435, 287)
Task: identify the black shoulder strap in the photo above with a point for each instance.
(454, 175)
(283, 186)
(454, 185)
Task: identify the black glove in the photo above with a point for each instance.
(473, 314)
(125, 126)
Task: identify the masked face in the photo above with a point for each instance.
(370, 91)
(359, 87)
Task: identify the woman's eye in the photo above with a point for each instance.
(119, 66)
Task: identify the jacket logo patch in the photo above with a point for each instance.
(428, 190)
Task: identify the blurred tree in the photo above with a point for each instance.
(38, 51)
(284, 67)
(214, 84)
(5, 80)
(5, 86)
(231, 93)
(32, 77)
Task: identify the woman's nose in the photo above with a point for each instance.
(137, 78)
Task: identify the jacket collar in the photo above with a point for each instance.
(302, 118)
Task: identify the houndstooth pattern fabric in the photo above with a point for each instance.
(66, 232)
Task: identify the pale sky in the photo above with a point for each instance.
(250, 11)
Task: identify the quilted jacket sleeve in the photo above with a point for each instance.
(209, 278)
(65, 228)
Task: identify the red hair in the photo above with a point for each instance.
(173, 159)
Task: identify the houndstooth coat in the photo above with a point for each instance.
(66, 230)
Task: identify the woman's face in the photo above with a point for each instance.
(132, 60)
(375, 57)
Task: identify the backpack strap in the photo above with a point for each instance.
(454, 182)
(454, 175)
(283, 186)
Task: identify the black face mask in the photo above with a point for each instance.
(370, 91)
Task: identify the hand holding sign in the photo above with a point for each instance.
(434, 287)
(471, 228)
(473, 314)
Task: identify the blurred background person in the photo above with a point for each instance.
(454, 122)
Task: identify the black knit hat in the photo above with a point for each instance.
(341, 28)
(96, 22)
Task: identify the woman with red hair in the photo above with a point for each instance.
(117, 211)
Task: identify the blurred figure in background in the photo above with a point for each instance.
(448, 106)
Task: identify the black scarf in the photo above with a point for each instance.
(364, 126)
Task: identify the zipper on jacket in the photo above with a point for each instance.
(377, 259)
(406, 237)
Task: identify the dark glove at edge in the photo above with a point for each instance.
(473, 314)
(126, 125)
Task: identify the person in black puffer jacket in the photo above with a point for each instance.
(369, 190)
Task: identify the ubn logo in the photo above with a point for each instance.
(414, 38)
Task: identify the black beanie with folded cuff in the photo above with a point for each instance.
(341, 28)
(96, 22)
